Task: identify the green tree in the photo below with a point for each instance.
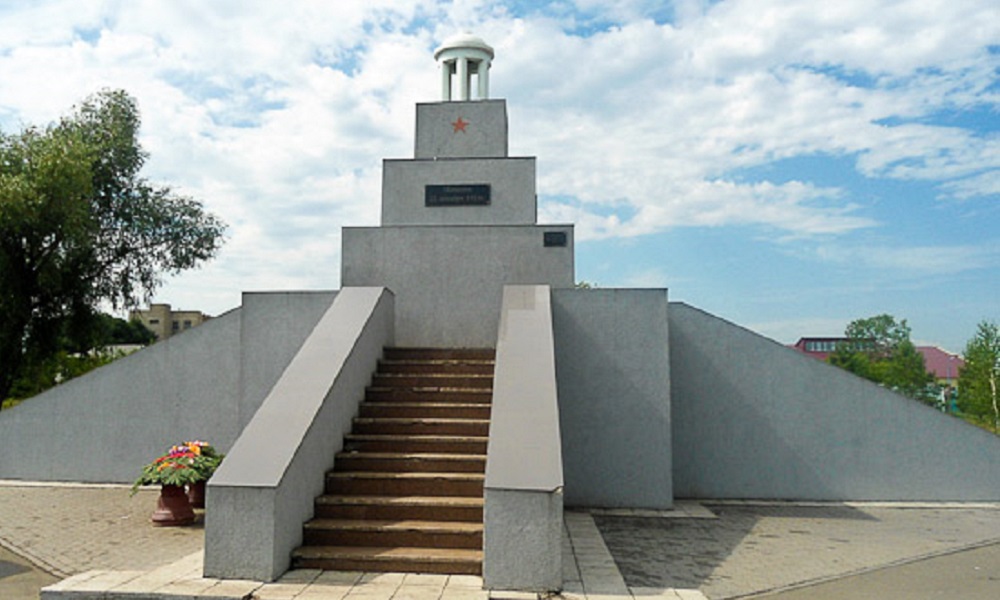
(879, 336)
(879, 349)
(979, 379)
(78, 226)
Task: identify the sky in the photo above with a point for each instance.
(788, 165)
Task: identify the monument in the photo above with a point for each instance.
(611, 398)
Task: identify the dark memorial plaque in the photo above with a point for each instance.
(554, 239)
(477, 194)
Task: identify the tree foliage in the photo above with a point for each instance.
(879, 349)
(80, 226)
(979, 378)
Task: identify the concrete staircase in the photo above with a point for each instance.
(406, 493)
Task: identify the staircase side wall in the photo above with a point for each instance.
(265, 488)
(613, 370)
(754, 419)
(523, 513)
(102, 426)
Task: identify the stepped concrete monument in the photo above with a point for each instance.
(437, 412)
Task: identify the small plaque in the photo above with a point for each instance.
(477, 194)
(555, 239)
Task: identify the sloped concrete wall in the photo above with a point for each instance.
(753, 419)
(273, 328)
(613, 371)
(103, 426)
(205, 383)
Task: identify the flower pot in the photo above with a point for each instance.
(196, 494)
(173, 507)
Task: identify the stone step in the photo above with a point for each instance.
(452, 367)
(433, 395)
(438, 444)
(439, 354)
(415, 426)
(397, 462)
(437, 508)
(387, 533)
(398, 560)
(426, 410)
(432, 380)
(366, 483)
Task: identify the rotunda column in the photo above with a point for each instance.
(464, 55)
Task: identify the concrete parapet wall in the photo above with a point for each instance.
(754, 419)
(448, 280)
(614, 375)
(523, 506)
(102, 426)
(264, 490)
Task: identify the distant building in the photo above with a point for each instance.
(943, 365)
(165, 322)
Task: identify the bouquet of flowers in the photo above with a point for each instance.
(184, 464)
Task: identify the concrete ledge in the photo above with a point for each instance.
(264, 490)
(523, 507)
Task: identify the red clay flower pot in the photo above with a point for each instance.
(196, 494)
(173, 507)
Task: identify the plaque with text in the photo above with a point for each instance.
(457, 195)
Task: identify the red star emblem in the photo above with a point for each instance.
(459, 125)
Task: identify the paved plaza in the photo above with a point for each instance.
(96, 542)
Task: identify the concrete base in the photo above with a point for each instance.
(525, 528)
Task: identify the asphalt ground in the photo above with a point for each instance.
(19, 579)
(966, 575)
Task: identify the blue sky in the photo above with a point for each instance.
(789, 165)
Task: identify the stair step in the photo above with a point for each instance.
(398, 560)
(406, 492)
(410, 461)
(451, 367)
(443, 444)
(412, 533)
(437, 508)
(415, 426)
(366, 483)
(433, 395)
(439, 354)
(425, 410)
(432, 380)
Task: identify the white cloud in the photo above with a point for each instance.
(914, 260)
(277, 115)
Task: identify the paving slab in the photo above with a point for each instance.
(755, 548)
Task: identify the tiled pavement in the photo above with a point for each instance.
(753, 548)
(589, 571)
(720, 550)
